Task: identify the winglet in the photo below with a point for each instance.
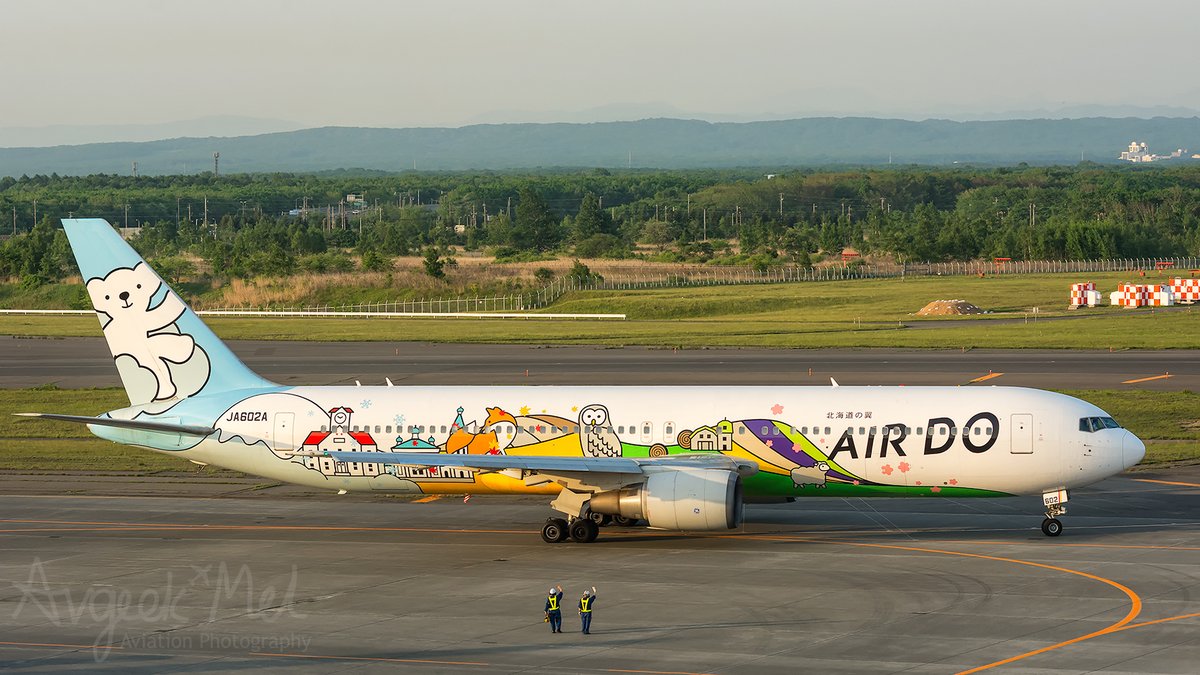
(834, 382)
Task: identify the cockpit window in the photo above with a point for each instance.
(1090, 424)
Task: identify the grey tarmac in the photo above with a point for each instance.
(314, 582)
(85, 362)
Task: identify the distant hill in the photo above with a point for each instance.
(656, 143)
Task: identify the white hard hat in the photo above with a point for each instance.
(551, 589)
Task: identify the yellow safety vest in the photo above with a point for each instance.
(553, 603)
(585, 604)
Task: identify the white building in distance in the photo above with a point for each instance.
(1138, 152)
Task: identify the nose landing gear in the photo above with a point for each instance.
(1052, 526)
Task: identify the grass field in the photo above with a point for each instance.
(860, 313)
(1169, 422)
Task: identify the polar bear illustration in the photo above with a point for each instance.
(136, 330)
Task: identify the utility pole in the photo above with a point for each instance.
(216, 165)
(705, 224)
(35, 212)
(127, 216)
(14, 221)
(206, 211)
(689, 211)
(508, 210)
(780, 204)
(176, 212)
(135, 169)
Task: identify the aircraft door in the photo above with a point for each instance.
(1021, 434)
(283, 438)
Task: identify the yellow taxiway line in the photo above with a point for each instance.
(1148, 379)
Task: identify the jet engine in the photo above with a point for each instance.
(679, 499)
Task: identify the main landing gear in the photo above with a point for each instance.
(580, 530)
(581, 525)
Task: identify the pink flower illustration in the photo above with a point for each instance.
(857, 482)
(776, 409)
(770, 444)
(798, 446)
(954, 481)
(935, 489)
(887, 469)
(903, 467)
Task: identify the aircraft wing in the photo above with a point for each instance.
(551, 464)
(494, 462)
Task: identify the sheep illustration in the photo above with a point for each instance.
(803, 476)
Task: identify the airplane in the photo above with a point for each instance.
(683, 458)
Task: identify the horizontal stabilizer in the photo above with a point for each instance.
(140, 425)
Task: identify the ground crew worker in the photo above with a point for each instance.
(585, 610)
(554, 609)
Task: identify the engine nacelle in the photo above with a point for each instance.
(679, 499)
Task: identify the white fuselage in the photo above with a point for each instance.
(914, 439)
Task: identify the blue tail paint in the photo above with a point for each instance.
(163, 351)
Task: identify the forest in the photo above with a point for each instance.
(246, 225)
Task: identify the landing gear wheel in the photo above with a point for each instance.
(584, 531)
(622, 521)
(554, 531)
(600, 519)
(1052, 527)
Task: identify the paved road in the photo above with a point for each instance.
(85, 362)
(325, 583)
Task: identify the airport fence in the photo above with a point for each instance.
(701, 275)
(710, 275)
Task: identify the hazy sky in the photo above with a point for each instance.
(448, 63)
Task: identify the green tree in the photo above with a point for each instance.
(536, 226)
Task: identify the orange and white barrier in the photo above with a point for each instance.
(1129, 295)
(1084, 294)
(1143, 295)
(1186, 290)
(1159, 295)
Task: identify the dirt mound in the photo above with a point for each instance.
(949, 308)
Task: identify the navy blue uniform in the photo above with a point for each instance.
(554, 611)
(585, 612)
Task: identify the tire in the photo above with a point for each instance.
(584, 531)
(600, 519)
(554, 531)
(622, 521)
(1052, 527)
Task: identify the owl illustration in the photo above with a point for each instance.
(596, 435)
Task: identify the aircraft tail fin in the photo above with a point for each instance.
(163, 351)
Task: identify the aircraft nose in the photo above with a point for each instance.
(1133, 450)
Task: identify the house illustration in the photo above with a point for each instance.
(714, 438)
(340, 438)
